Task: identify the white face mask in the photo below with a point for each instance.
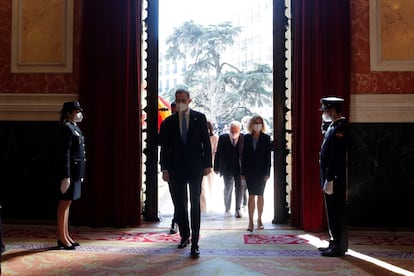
(257, 127)
(181, 107)
(326, 117)
(78, 117)
(234, 136)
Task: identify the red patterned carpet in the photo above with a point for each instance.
(358, 238)
(152, 251)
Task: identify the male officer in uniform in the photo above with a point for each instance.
(333, 176)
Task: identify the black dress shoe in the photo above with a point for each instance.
(333, 252)
(238, 214)
(173, 228)
(331, 244)
(195, 252)
(183, 243)
(61, 245)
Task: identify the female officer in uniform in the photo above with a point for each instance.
(72, 169)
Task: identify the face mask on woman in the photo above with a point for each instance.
(257, 127)
(78, 117)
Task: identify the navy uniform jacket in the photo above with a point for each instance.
(72, 147)
(228, 157)
(333, 152)
(192, 157)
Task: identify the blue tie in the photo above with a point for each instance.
(184, 129)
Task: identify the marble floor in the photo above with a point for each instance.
(215, 216)
(226, 247)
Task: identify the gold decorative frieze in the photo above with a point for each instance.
(32, 107)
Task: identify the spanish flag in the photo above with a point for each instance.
(164, 110)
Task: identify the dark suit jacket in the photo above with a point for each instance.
(72, 152)
(227, 160)
(256, 162)
(333, 152)
(192, 157)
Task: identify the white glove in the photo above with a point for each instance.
(328, 187)
(64, 185)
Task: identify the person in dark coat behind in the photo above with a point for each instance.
(2, 247)
(333, 176)
(72, 169)
(174, 226)
(255, 167)
(227, 164)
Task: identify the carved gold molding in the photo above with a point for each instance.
(382, 108)
(390, 29)
(364, 108)
(42, 36)
(32, 107)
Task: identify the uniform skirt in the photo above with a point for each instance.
(74, 191)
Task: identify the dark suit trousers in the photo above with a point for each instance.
(229, 181)
(337, 217)
(179, 187)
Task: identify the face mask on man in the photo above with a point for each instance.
(258, 127)
(234, 136)
(181, 107)
(326, 117)
(78, 117)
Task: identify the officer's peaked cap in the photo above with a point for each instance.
(70, 106)
(330, 102)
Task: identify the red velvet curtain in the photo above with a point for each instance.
(321, 67)
(110, 95)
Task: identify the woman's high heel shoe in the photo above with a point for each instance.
(75, 244)
(260, 225)
(250, 228)
(61, 245)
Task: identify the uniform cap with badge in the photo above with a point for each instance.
(330, 102)
(70, 106)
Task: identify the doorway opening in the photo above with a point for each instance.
(180, 45)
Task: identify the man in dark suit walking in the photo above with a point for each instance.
(185, 159)
(227, 162)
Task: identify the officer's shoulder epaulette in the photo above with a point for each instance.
(339, 134)
(70, 125)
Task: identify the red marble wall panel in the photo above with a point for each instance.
(36, 82)
(364, 81)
